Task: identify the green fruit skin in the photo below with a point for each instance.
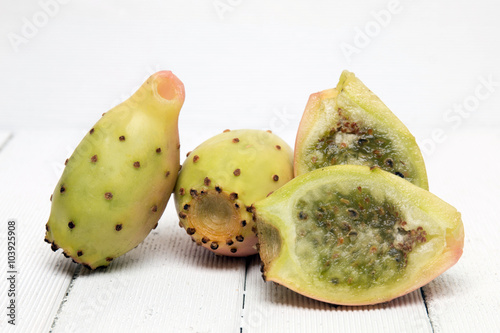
(276, 226)
(132, 152)
(352, 96)
(259, 156)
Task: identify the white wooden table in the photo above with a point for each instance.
(245, 64)
(169, 284)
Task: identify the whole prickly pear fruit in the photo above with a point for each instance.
(219, 182)
(349, 124)
(117, 182)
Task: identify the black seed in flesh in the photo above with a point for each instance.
(240, 238)
(66, 162)
(182, 191)
(389, 162)
(154, 209)
(167, 173)
(233, 196)
(243, 223)
(108, 195)
(46, 240)
(158, 150)
(236, 140)
(191, 231)
(137, 164)
(218, 189)
(54, 247)
(237, 172)
(91, 130)
(63, 189)
(182, 215)
(276, 178)
(193, 193)
(229, 242)
(399, 174)
(79, 253)
(109, 259)
(93, 159)
(71, 225)
(118, 227)
(352, 212)
(196, 158)
(214, 246)
(362, 141)
(278, 147)
(302, 215)
(122, 138)
(186, 207)
(205, 240)
(233, 250)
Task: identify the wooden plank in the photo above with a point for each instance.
(5, 136)
(166, 284)
(270, 307)
(30, 165)
(464, 172)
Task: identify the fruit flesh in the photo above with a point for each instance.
(118, 180)
(351, 125)
(219, 182)
(350, 235)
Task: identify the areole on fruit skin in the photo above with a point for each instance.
(278, 225)
(117, 182)
(221, 179)
(355, 117)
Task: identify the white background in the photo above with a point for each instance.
(245, 64)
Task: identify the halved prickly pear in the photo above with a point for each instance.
(219, 182)
(350, 125)
(350, 235)
(117, 182)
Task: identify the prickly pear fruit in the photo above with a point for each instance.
(349, 235)
(117, 182)
(219, 182)
(351, 125)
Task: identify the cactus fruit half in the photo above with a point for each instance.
(350, 125)
(353, 235)
(117, 182)
(219, 182)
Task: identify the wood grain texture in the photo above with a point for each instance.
(29, 170)
(467, 297)
(270, 307)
